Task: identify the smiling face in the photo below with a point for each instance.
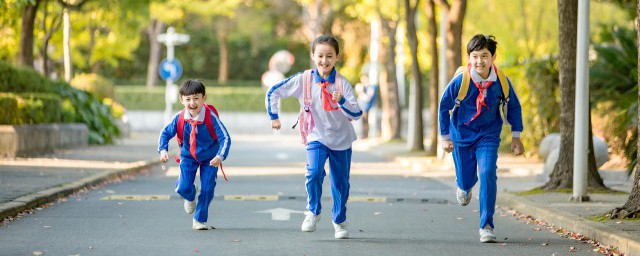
(193, 103)
(481, 61)
(325, 57)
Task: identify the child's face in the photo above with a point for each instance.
(325, 57)
(193, 103)
(481, 61)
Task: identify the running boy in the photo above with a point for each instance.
(201, 148)
(330, 101)
(472, 131)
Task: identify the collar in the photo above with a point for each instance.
(477, 78)
(199, 117)
(330, 79)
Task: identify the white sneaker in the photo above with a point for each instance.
(463, 197)
(486, 235)
(190, 206)
(199, 225)
(341, 230)
(310, 222)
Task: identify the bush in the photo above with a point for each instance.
(39, 108)
(21, 79)
(99, 86)
(8, 108)
(243, 99)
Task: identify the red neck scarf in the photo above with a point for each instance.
(480, 99)
(192, 137)
(327, 98)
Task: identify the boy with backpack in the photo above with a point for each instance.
(204, 143)
(470, 125)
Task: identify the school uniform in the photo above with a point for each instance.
(330, 138)
(206, 148)
(476, 139)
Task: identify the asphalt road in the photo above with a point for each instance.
(259, 212)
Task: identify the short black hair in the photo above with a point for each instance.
(480, 41)
(192, 87)
(326, 39)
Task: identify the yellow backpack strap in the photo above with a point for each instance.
(504, 83)
(464, 86)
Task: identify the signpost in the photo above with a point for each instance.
(170, 69)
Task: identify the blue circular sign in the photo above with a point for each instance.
(170, 69)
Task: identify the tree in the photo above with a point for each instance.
(155, 28)
(562, 174)
(29, 12)
(432, 149)
(48, 33)
(455, 17)
(632, 207)
(415, 115)
(391, 115)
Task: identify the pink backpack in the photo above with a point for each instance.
(305, 118)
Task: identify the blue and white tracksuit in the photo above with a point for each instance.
(206, 149)
(331, 138)
(475, 151)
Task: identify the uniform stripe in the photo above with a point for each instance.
(272, 89)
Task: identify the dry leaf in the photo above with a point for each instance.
(196, 250)
(459, 218)
(618, 222)
(38, 253)
(46, 226)
(236, 240)
(572, 249)
(537, 229)
(545, 244)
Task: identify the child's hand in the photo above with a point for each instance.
(447, 146)
(215, 162)
(337, 96)
(275, 124)
(164, 156)
(516, 146)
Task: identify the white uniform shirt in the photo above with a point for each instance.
(332, 128)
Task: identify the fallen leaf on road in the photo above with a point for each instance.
(46, 226)
(196, 250)
(212, 227)
(476, 211)
(360, 230)
(529, 239)
(503, 244)
(90, 247)
(377, 213)
(545, 244)
(459, 218)
(236, 240)
(618, 222)
(537, 229)
(572, 249)
(38, 253)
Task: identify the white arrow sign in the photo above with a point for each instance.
(280, 213)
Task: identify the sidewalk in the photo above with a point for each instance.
(517, 174)
(26, 183)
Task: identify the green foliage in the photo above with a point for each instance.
(8, 108)
(614, 86)
(537, 86)
(39, 108)
(95, 84)
(244, 99)
(21, 79)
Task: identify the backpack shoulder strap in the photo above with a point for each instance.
(464, 86)
(307, 79)
(180, 128)
(208, 120)
(504, 83)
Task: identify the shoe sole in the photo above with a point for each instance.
(488, 240)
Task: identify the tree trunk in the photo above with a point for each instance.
(388, 85)
(455, 18)
(315, 17)
(632, 206)
(562, 174)
(222, 33)
(594, 180)
(29, 12)
(432, 149)
(417, 138)
(55, 25)
(155, 28)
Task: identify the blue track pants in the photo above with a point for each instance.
(340, 166)
(186, 188)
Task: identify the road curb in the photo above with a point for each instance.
(48, 195)
(594, 230)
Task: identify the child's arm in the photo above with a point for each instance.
(166, 134)
(291, 86)
(514, 117)
(347, 101)
(223, 139)
(447, 102)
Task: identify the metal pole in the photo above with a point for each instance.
(581, 143)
